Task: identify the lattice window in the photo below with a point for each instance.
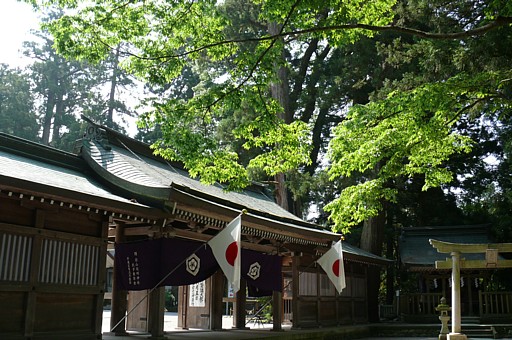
(15, 254)
(69, 263)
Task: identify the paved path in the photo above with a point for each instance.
(171, 323)
(256, 331)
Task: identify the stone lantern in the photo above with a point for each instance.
(444, 316)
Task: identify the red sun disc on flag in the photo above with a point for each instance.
(231, 253)
(336, 267)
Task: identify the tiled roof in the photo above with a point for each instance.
(144, 174)
(131, 165)
(113, 175)
(415, 249)
(53, 170)
(348, 248)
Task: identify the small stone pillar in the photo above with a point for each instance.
(443, 309)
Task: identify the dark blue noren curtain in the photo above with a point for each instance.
(143, 264)
(137, 264)
(192, 262)
(262, 272)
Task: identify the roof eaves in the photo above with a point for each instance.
(360, 255)
(199, 196)
(68, 197)
(145, 194)
(40, 152)
(187, 201)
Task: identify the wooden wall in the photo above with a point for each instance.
(52, 270)
(315, 302)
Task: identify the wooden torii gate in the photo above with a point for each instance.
(491, 251)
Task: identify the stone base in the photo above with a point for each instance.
(116, 333)
(456, 336)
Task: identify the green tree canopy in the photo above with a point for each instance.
(164, 37)
(17, 116)
(409, 127)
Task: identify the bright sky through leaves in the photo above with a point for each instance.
(16, 21)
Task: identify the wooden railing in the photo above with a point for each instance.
(495, 303)
(387, 311)
(287, 310)
(419, 303)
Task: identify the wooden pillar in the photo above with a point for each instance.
(156, 313)
(456, 321)
(216, 293)
(277, 311)
(101, 274)
(182, 307)
(295, 292)
(30, 307)
(239, 310)
(372, 293)
(318, 298)
(119, 303)
(470, 296)
(443, 282)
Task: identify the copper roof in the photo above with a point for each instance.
(415, 249)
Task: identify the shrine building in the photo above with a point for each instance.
(62, 213)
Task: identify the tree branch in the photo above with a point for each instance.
(500, 21)
(469, 106)
(301, 74)
(260, 58)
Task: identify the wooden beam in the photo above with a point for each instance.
(297, 229)
(474, 264)
(448, 247)
(205, 238)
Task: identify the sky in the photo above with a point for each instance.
(16, 20)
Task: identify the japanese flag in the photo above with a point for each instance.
(332, 264)
(226, 249)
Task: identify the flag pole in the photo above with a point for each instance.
(244, 211)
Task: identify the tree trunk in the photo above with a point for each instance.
(281, 94)
(48, 116)
(390, 273)
(57, 117)
(113, 85)
(51, 102)
(372, 238)
(372, 235)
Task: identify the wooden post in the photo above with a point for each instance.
(295, 292)
(216, 293)
(277, 311)
(101, 270)
(318, 298)
(30, 307)
(119, 303)
(156, 313)
(182, 307)
(470, 296)
(239, 305)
